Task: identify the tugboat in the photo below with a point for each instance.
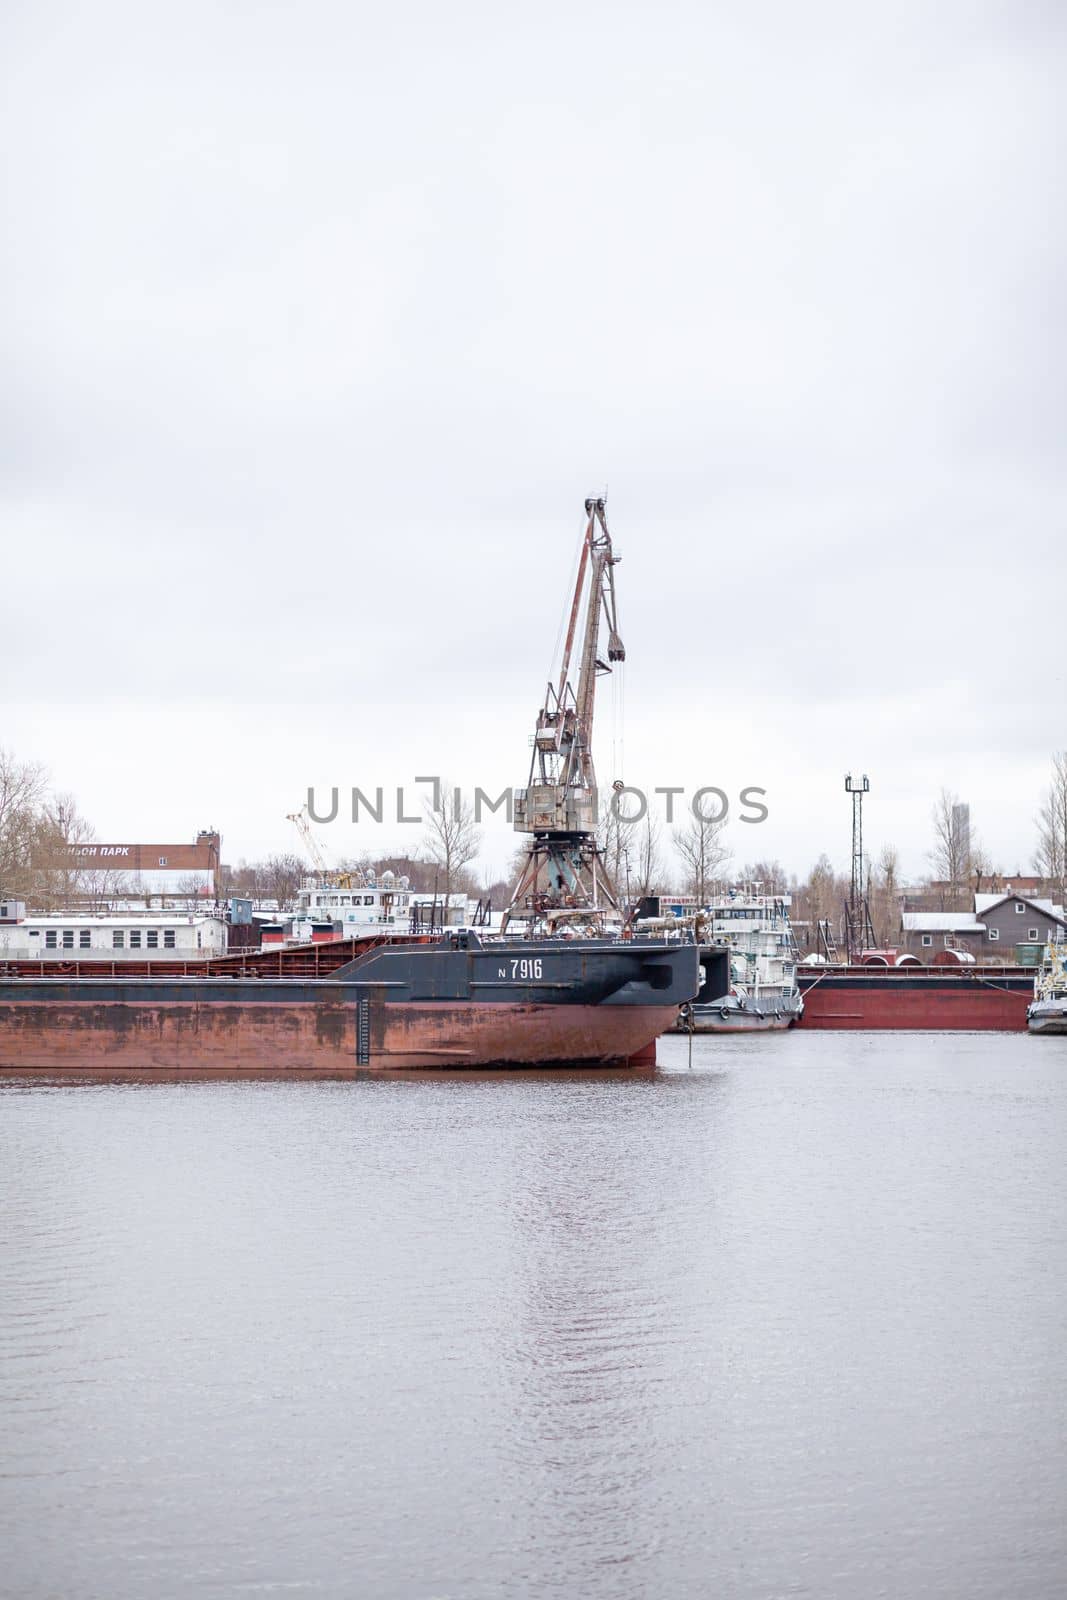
(1048, 1011)
(758, 992)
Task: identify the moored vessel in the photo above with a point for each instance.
(1047, 1012)
(455, 1002)
(762, 995)
(958, 997)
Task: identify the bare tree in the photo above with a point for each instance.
(99, 886)
(450, 839)
(771, 874)
(821, 899)
(885, 895)
(981, 864)
(279, 878)
(58, 853)
(646, 862)
(23, 787)
(193, 886)
(1050, 857)
(241, 880)
(701, 847)
(951, 854)
(616, 834)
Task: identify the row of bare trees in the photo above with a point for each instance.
(634, 850)
(40, 830)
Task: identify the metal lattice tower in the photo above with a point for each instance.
(856, 904)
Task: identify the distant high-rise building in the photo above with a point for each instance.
(961, 827)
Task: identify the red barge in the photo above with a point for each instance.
(965, 998)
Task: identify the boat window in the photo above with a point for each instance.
(118, 938)
(85, 938)
(368, 899)
(168, 938)
(50, 938)
(135, 938)
(152, 938)
(68, 938)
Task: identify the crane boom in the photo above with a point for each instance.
(302, 823)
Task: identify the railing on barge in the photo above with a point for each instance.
(865, 974)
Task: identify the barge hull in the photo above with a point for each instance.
(934, 1002)
(174, 1036)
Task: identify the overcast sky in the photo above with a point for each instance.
(320, 322)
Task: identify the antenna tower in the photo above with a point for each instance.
(857, 904)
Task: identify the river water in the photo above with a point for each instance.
(789, 1319)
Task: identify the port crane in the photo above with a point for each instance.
(564, 878)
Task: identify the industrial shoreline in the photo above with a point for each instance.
(570, 972)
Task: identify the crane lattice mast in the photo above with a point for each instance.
(564, 877)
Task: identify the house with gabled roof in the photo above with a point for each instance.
(991, 932)
(1012, 919)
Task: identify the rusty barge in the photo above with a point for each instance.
(451, 1002)
(966, 998)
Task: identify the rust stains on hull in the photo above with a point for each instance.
(179, 1036)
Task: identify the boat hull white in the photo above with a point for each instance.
(1047, 1016)
(730, 1015)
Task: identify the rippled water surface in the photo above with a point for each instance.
(791, 1321)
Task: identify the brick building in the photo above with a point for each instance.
(156, 868)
